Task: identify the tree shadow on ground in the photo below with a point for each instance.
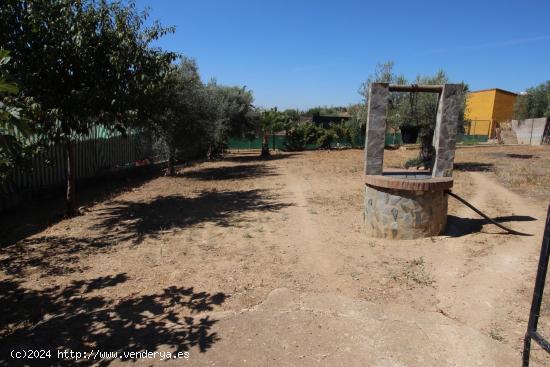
(47, 208)
(239, 172)
(76, 318)
(457, 226)
(133, 221)
(521, 156)
(53, 255)
(473, 167)
(130, 220)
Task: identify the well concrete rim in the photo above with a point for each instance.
(409, 181)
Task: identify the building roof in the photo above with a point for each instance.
(496, 89)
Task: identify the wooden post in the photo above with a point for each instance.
(71, 179)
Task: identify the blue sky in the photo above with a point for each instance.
(300, 54)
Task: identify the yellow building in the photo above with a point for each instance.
(485, 108)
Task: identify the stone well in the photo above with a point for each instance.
(408, 205)
(402, 205)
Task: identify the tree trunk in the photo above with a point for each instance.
(71, 180)
(265, 145)
(170, 170)
(427, 150)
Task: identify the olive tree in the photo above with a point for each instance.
(196, 120)
(416, 110)
(232, 115)
(534, 103)
(183, 117)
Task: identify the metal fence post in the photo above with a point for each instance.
(537, 297)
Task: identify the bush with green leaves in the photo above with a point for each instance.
(326, 138)
(341, 132)
(300, 135)
(16, 148)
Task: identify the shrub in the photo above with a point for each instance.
(298, 136)
(326, 138)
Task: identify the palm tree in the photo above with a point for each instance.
(270, 121)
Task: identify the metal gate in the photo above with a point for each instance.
(532, 333)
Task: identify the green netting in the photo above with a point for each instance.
(393, 139)
(244, 143)
(472, 139)
(278, 142)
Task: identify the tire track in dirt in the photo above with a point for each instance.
(496, 197)
(313, 252)
(490, 277)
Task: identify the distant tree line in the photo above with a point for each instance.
(68, 66)
(407, 112)
(534, 103)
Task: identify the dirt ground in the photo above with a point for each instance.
(247, 261)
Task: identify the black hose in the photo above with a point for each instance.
(509, 230)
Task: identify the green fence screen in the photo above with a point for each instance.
(278, 142)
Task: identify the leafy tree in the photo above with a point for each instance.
(233, 115)
(418, 110)
(270, 121)
(194, 119)
(15, 149)
(292, 114)
(534, 103)
(10, 121)
(86, 63)
(182, 121)
(421, 112)
(384, 73)
(219, 126)
(356, 125)
(325, 110)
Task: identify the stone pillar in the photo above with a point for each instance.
(376, 128)
(445, 130)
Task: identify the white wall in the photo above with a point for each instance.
(530, 131)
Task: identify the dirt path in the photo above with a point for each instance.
(315, 255)
(480, 284)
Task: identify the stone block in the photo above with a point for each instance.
(376, 128)
(446, 126)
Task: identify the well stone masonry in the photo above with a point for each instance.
(405, 207)
(409, 204)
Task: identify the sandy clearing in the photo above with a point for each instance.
(175, 263)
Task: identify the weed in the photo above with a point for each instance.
(416, 271)
(494, 333)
